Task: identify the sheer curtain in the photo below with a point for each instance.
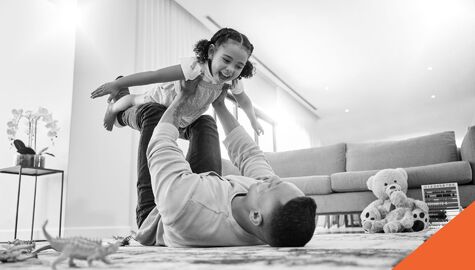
(165, 33)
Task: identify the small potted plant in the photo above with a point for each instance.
(27, 155)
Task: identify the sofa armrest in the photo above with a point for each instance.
(467, 149)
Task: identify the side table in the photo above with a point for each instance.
(33, 171)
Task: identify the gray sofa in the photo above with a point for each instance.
(335, 175)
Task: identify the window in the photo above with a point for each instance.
(266, 141)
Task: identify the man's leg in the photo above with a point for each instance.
(204, 152)
(143, 118)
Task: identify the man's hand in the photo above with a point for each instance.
(219, 101)
(182, 104)
(188, 88)
(109, 88)
(186, 95)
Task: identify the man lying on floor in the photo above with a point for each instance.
(207, 209)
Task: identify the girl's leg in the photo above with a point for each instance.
(204, 152)
(143, 118)
(113, 108)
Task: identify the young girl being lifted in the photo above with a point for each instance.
(221, 61)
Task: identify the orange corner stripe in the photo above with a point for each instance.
(452, 247)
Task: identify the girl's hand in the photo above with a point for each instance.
(109, 88)
(257, 127)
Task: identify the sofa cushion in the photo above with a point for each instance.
(312, 185)
(419, 151)
(467, 149)
(458, 171)
(351, 181)
(312, 161)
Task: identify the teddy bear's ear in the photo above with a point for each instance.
(369, 183)
(401, 170)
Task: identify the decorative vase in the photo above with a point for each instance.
(33, 161)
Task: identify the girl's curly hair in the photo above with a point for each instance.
(220, 37)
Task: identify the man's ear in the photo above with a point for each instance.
(255, 217)
(211, 51)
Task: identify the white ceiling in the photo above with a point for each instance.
(373, 58)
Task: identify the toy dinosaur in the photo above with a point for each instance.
(78, 248)
(17, 251)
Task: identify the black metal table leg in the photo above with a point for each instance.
(61, 204)
(34, 208)
(17, 204)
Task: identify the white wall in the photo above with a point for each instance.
(36, 67)
(438, 116)
(100, 171)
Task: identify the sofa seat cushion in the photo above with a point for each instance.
(312, 161)
(458, 171)
(419, 151)
(312, 185)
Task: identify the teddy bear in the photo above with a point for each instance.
(421, 220)
(368, 216)
(393, 210)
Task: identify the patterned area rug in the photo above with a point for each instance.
(324, 251)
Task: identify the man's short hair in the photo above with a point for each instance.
(293, 224)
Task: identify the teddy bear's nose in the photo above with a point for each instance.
(392, 187)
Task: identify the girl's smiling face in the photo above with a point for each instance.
(227, 60)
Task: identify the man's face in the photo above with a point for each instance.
(265, 196)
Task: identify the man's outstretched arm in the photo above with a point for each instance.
(173, 182)
(227, 119)
(242, 149)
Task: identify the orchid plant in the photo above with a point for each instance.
(30, 120)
